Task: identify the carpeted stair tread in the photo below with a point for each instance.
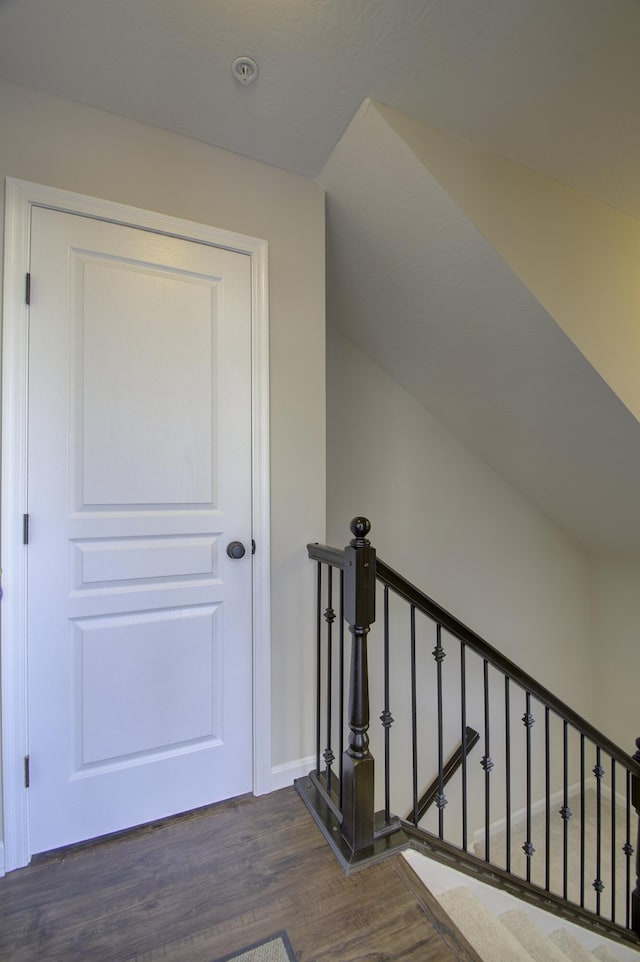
(572, 949)
(483, 930)
(501, 928)
(531, 938)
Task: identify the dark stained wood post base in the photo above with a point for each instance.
(358, 802)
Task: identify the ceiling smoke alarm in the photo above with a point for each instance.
(244, 69)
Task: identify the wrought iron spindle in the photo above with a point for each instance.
(463, 722)
(329, 617)
(565, 811)
(507, 769)
(414, 717)
(386, 717)
(342, 691)
(547, 801)
(528, 721)
(487, 764)
(627, 848)
(318, 666)
(598, 884)
(582, 816)
(635, 799)
(613, 839)
(441, 801)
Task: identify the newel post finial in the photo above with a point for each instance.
(360, 528)
(359, 612)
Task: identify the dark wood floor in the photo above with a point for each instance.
(195, 888)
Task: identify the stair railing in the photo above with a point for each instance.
(434, 793)
(518, 799)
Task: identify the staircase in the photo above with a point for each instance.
(501, 928)
(546, 806)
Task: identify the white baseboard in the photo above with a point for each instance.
(518, 817)
(557, 799)
(1, 859)
(284, 775)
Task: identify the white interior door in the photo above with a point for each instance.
(139, 474)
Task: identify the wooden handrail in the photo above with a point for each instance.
(451, 766)
(330, 556)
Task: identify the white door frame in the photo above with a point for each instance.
(20, 197)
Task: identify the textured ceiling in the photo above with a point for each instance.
(554, 84)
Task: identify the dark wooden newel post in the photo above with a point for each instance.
(635, 800)
(359, 613)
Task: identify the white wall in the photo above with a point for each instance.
(55, 142)
(444, 519)
(577, 255)
(616, 650)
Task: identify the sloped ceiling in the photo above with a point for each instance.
(419, 289)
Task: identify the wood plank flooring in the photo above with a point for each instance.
(195, 888)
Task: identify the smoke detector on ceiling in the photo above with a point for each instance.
(244, 69)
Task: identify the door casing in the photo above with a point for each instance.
(20, 198)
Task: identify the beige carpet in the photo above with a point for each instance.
(503, 929)
(513, 937)
(199, 948)
(274, 949)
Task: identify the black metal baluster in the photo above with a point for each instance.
(342, 689)
(318, 666)
(565, 811)
(613, 839)
(598, 884)
(627, 848)
(329, 616)
(582, 825)
(635, 801)
(487, 765)
(463, 722)
(441, 801)
(414, 717)
(547, 802)
(386, 717)
(507, 768)
(528, 721)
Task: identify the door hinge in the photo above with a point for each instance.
(27, 290)
(27, 771)
(25, 529)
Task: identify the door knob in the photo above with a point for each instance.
(235, 549)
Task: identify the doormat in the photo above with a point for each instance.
(277, 948)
